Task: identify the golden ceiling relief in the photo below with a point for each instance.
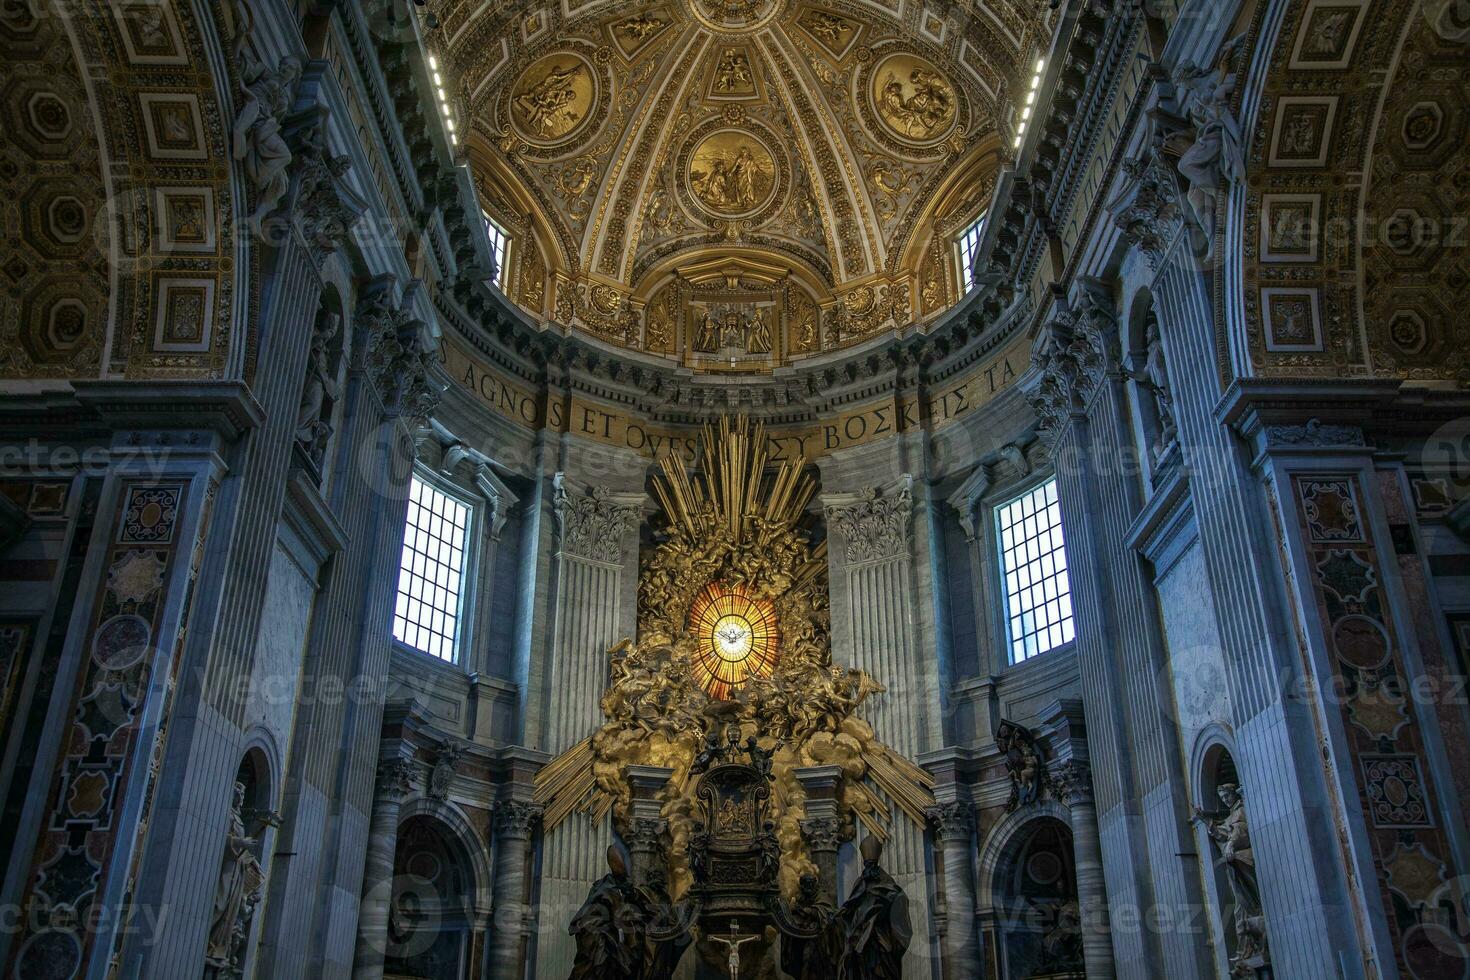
(732, 173)
(735, 16)
(553, 98)
(913, 99)
(634, 34)
(835, 33)
(814, 137)
(733, 76)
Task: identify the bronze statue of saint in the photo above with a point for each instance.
(610, 927)
(874, 922)
(813, 958)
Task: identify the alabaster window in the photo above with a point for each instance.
(1033, 561)
(429, 610)
(499, 248)
(969, 248)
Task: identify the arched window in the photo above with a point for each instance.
(968, 245)
(499, 249)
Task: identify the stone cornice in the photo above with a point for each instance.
(226, 408)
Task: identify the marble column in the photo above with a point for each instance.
(395, 781)
(596, 548)
(646, 825)
(1072, 783)
(514, 822)
(954, 830)
(821, 829)
(874, 590)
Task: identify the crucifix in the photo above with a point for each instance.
(734, 942)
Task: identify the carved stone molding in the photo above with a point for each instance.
(1313, 433)
(396, 778)
(822, 833)
(1146, 207)
(594, 524)
(953, 822)
(515, 820)
(874, 526)
(441, 777)
(1071, 782)
(966, 499)
(1073, 351)
(395, 356)
(325, 208)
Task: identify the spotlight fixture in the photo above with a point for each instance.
(1030, 102)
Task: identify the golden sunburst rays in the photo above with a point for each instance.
(733, 485)
(737, 636)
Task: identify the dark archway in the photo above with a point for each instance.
(1035, 894)
(429, 925)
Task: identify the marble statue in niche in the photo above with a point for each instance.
(1216, 152)
(1154, 379)
(1230, 832)
(235, 896)
(322, 390)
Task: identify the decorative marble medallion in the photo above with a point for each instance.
(121, 642)
(912, 99)
(553, 98)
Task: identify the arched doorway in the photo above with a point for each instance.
(1033, 890)
(431, 911)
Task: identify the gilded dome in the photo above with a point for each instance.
(735, 184)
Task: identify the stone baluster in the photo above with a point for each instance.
(822, 827)
(514, 822)
(395, 781)
(1072, 783)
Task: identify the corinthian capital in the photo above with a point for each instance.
(873, 525)
(515, 819)
(1071, 782)
(593, 524)
(396, 778)
(822, 833)
(952, 821)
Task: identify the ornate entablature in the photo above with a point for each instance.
(638, 149)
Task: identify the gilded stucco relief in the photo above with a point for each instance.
(810, 138)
